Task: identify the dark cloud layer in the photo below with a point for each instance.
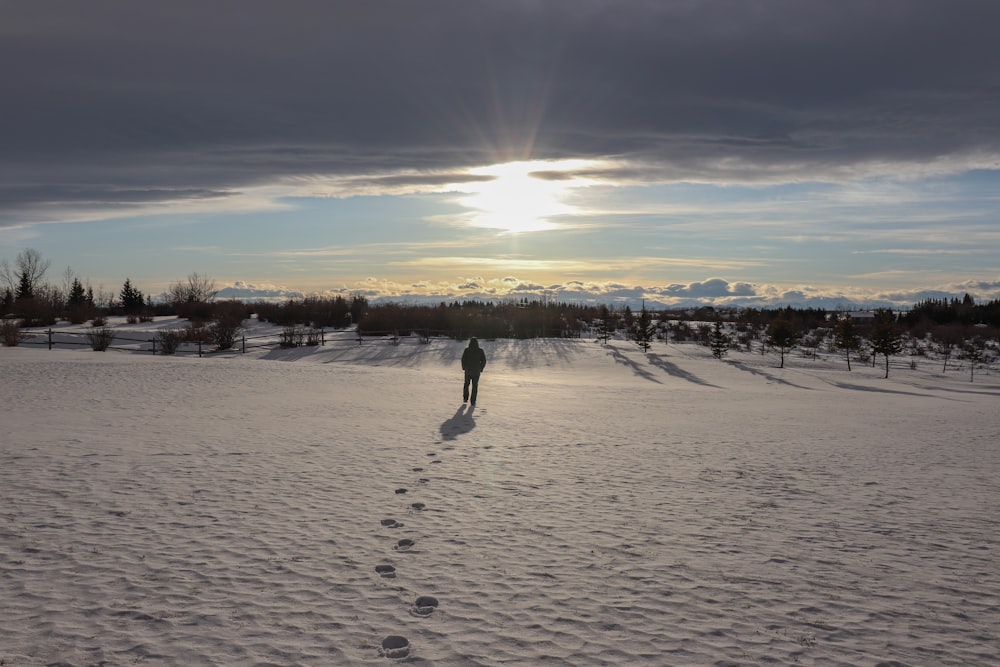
(116, 100)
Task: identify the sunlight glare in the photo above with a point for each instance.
(517, 199)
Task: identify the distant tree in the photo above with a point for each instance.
(642, 329)
(719, 341)
(946, 338)
(25, 288)
(782, 335)
(27, 274)
(974, 349)
(77, 296)
(629, 318)
(79, 303)
(604, 325)
(847, 338)
(886, 337)
(133, 301)
(196, 289)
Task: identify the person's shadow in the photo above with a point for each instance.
(461, 423)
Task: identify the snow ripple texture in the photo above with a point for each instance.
(600, 507)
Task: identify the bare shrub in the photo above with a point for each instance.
(99, 321)
(170, 340)
(100, 338)
(10, 332)
(292, 336)
(224, 331)
(197, 334)
(313, 337)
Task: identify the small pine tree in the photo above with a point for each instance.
(78, 308)
(847, 338)
(604, 325)
(886, 338)
(974, 350)
(133, 301)
(719, 341)
(77, 295)
(642, 329)
(782, 335)
(25, 288)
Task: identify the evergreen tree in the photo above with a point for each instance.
(132, 299)
(25, 288)
(629, 320)
(78, 308)
(77, 295)
(974, 349)
(642, 329)
(886, 338)
(604, 325)
(782, 335)
(846, 337)
(719, 341)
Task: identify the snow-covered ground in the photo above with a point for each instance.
(339, 505)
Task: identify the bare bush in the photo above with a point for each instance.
(293, 336)
(100, 338)
(170, 340)
(224, 331)
(197, 334)
(10, 332)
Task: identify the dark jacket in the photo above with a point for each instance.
(473, 359)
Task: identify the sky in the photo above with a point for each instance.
(727, 152)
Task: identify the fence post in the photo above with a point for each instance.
(244, 350)
(199, 348)
(153, 341)
(50, 338)
(322, 337)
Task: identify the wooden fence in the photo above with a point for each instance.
(288, 338)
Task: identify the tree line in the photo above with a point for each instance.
(950, 326)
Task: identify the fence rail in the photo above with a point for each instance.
(287, 338)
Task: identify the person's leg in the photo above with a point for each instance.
(465, 389)
(475, 388)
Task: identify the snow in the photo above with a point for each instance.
(601, 506)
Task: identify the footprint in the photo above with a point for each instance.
(395, 646)
(424, 605)
(418, 470)
(391, 523)
(418, 506)
(399, 491)
(436, 461)
(387, 571)
(423, 480)
(432, 453)
(404, 544)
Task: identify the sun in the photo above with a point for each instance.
(518, 197)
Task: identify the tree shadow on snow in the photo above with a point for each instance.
(459, 424)
(636, 368)
(770, 376)
(676, 371)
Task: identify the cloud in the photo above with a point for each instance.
(717, 292)
(123, 104)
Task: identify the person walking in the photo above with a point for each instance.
(473, 363)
